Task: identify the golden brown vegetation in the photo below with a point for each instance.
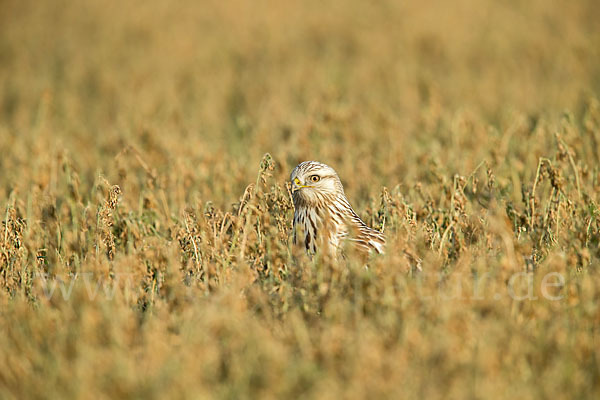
(144, 246)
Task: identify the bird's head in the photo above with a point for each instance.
(312, 180)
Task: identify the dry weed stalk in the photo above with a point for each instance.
(105, 221)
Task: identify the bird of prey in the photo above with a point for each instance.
(323, 216)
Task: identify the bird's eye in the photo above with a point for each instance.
(315, 178)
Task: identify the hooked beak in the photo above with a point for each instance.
(297, 185)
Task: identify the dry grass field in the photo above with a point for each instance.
(145, 148)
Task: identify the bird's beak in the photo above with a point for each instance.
(297, 185)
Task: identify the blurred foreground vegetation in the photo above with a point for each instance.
(144, 153)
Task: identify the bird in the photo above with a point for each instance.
(323, 216)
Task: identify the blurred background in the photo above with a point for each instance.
(361, 85)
